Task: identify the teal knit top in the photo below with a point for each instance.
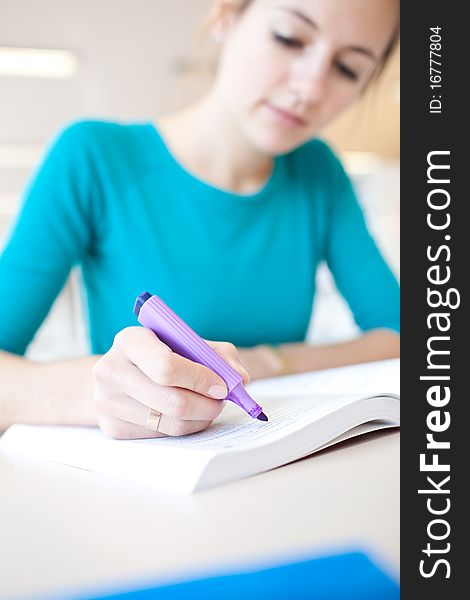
(111, 198)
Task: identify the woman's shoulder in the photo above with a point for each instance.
(119, 147)
(101, 132)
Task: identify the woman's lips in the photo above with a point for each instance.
(284, 117)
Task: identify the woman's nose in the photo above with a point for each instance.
(309, 80)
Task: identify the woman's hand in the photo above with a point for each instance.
(140, 373)
(263, 361)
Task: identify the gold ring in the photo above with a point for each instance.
(153, 419)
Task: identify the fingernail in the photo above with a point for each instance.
(217, 391)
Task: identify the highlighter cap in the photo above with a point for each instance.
(141, 300)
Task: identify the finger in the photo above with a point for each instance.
(175, 427)
(122, 407)
(137, 394)
(231, 355)
(122, 430)
(164, 367)
(130, 381)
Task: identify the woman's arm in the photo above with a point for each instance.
(53, 231)
(52, 393)
(266, 361)
(119, 390)
(62, 392)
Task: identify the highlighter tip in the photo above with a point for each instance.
(262, 417)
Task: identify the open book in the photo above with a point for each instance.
(306, 413)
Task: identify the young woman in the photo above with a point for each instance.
(224, 210)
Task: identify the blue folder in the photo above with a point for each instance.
(349, 576)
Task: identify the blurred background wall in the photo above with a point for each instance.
(132, 60)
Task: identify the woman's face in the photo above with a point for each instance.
(288, 67)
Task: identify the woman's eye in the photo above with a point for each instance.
(287, 41)
(347, 72)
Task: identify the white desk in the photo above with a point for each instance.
(66, 530)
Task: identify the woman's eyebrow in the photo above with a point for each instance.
(311, 22)
(300, 14)
(364, 51)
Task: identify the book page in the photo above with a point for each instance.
(235, 429)
(183, 461)
(365, 379)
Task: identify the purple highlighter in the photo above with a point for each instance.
(154, 314)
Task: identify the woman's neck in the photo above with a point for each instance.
(204, 139)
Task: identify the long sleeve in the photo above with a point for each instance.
(359, 270)
(52, 233)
